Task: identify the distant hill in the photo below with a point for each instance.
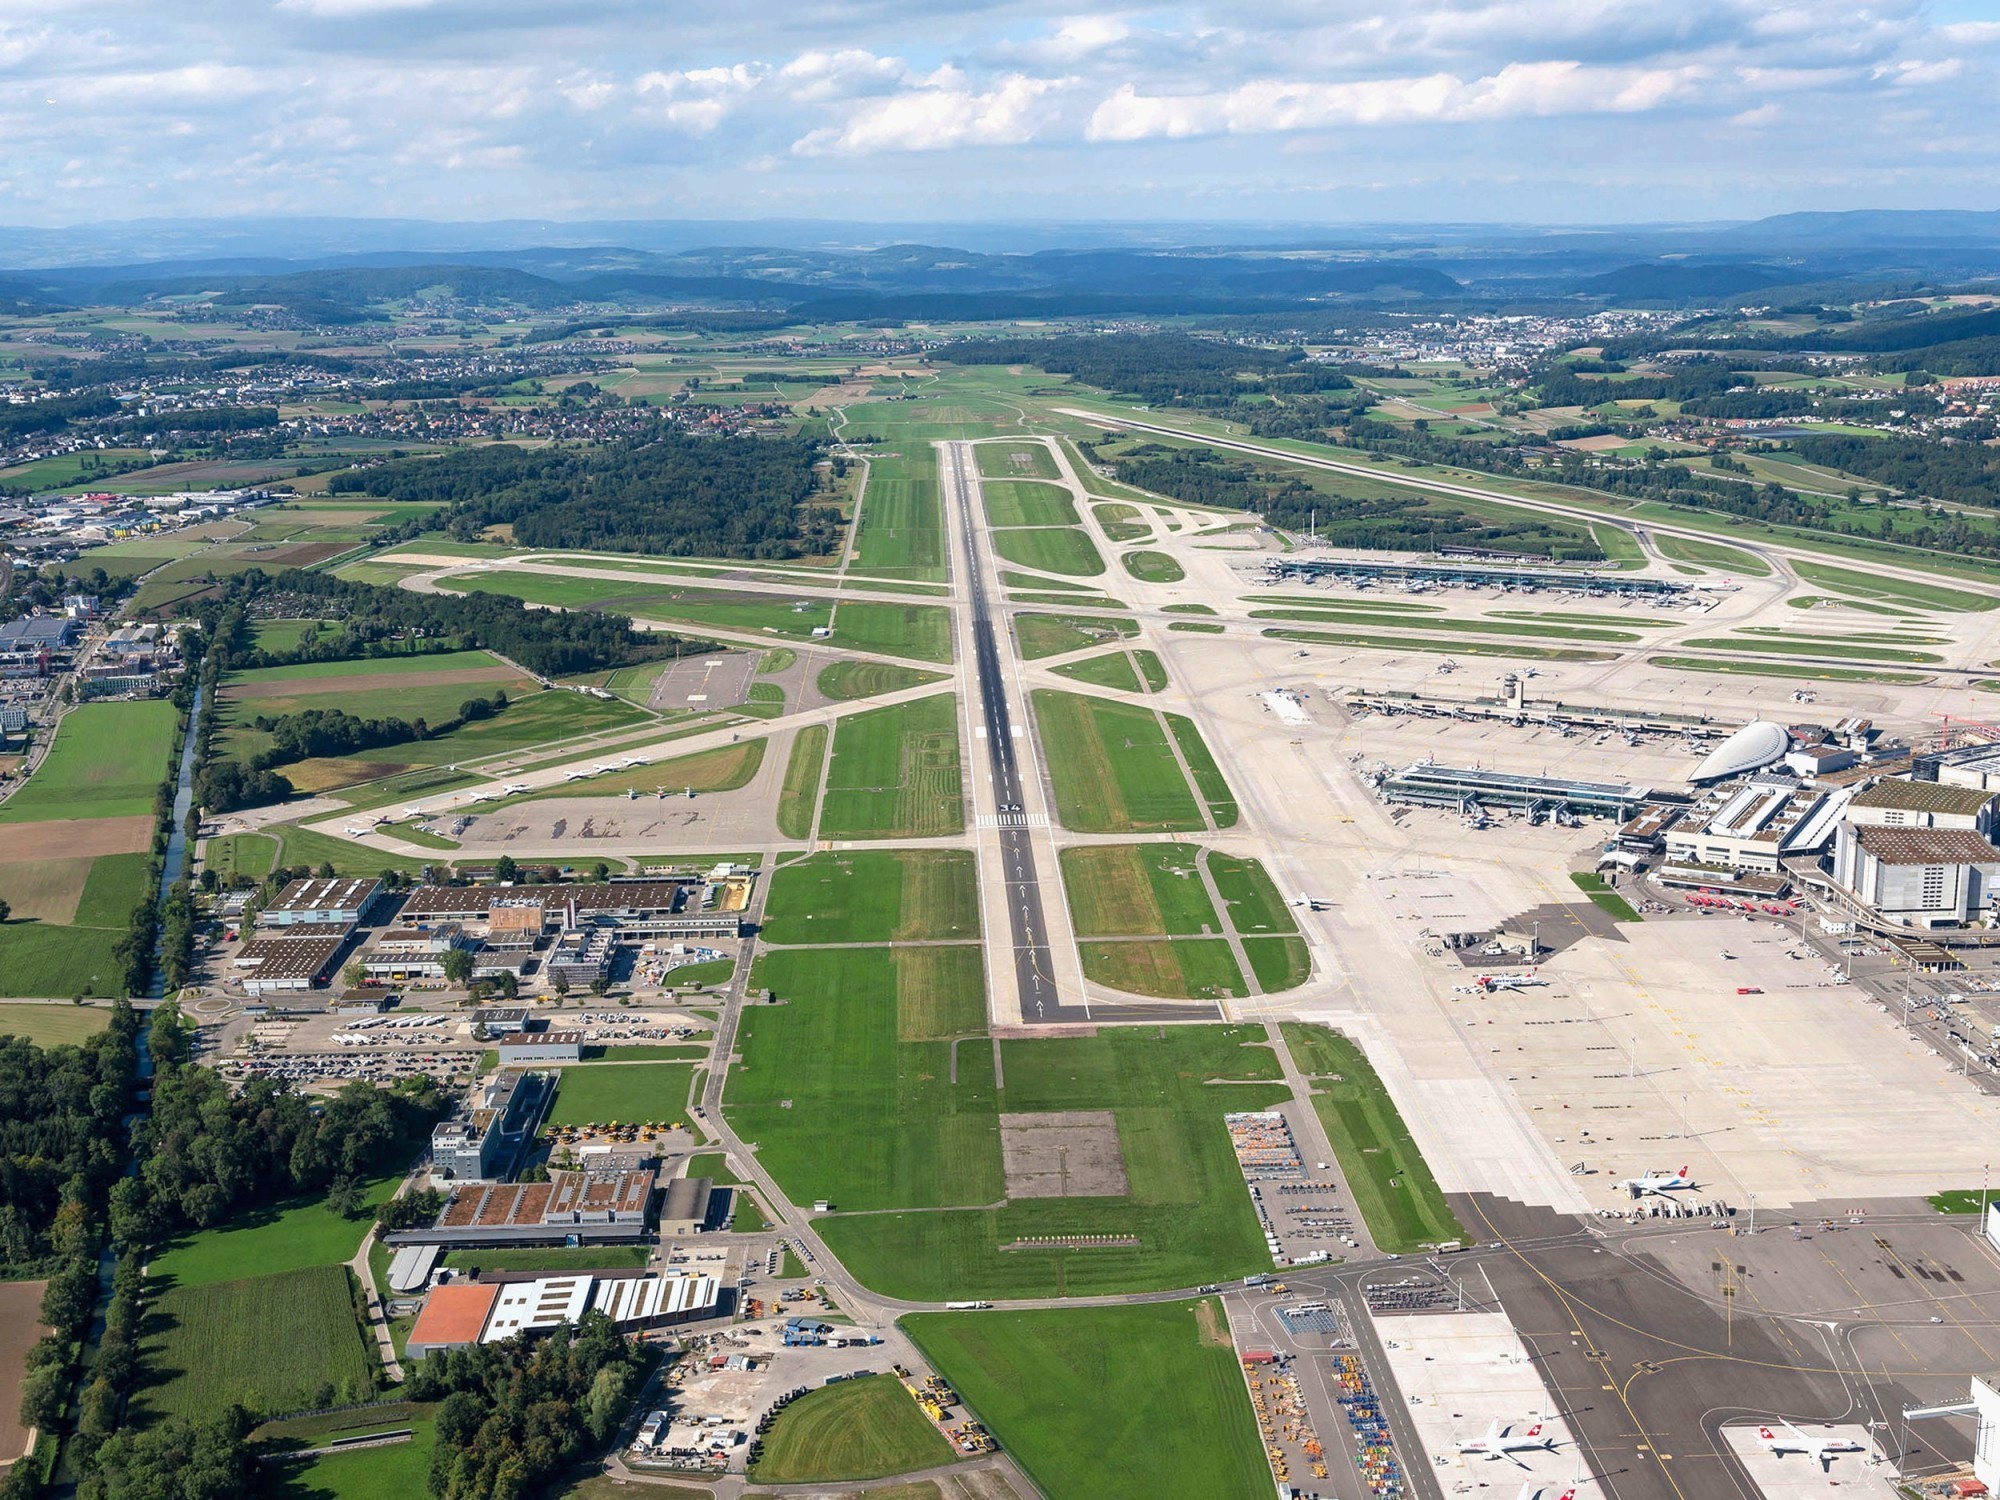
(1674, 281)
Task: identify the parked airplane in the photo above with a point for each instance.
(1310, 903)
(1534, 1489)
(356, 833)
(514, 786)
(1500, 1441)
(484, 796)
(413, 812)
(1491, 982)
(604, 768)
(1657, 1182)
(1822, 1449)
(577, 776)
(636, 760)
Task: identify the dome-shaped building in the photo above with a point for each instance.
(1754, 746)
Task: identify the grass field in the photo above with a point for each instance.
(599, 1093)
(1191, 969)
(292, 1236)
(1187, 1206)
(53, 1025)
(1152, 567)
(844, 1058)
(1137, 890)
(552, 1258)
(303, 846)
(1894, 590)
(922, 631)
(688, 604)
(1052, 635)
(902, 525)
(274, 1343)
(858, 1429)
(874, 896)
(1015, 461)
(366, 1473)
(1391, 1183)
(1404, 645)
(726, 768)
(1111, 766)
(1603, 897)
(1113, 670)
(798, 798)
(1108, 1403)
(107, 761)
(894, 773)
(68, 916)
(233, 854)
(1255, 906)
(1750, 667)
(1052, 549)
(1121, 522)
(1962, 1200)
(1710, 554)
(1207, 775)
(845, 681)
(1280, 963)
(1152, 669)
(1026, 503)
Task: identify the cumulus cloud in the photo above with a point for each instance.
(946, 112)
(1519, 89)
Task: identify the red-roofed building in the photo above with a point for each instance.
(454, 1315)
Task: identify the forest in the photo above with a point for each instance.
(1160, 368)
(667, 493)
(1967, 471)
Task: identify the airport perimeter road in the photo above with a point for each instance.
(1010, 804)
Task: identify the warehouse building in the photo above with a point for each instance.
(1918, 877)
(1758, 826)
(308, 899)
(540, 1047)
(686, 907)
(693, 1205)
(588, 1207)
(1895, 803)
(279, 965)
(462, 1313)
(403, 955)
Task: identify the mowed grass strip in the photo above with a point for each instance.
(270, 1342)
(1389, 1178)
(1208, 779)
(922, 631)
(940, 992)
(1280, 963)
(1121, 522)
(1112, 767)
(1255, 905)
(1152, 567)
(53, 1025)
(1053, 635)
(894, 773)
(1403, 645)
(798, 796)
(629, 1093)
(1823, 647)
(874, 896)
(107, 761)
(1052, 549)
(1152, 669)
(845, 681)
(1107, 1403)
(829, 1064)
(902, 527)
(1166, 969)
(1025, 503)
(1137, 890)
(1470, 627)
(1894, 590)
(1751, 667)
(1713, 554)
(858, 1429)
(1113, 670)
(726, 768)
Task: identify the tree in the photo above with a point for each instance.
(599, 984)
(354, 975)
(600, 872)
(560, 983)
(6, 911)
(457, 965)
(505, 870)
(506, 985)
(344, 1197)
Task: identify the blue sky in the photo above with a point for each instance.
(1572, 111)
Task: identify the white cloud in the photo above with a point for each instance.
(1518, 90)
(700, 99)
(816, 76)
(943, 114)
(344, 10)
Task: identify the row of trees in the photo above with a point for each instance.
(1166, 369)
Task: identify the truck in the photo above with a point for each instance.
(966, 1306)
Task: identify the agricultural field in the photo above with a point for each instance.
(629, 1093)
(275, 1343)
(1184, 1203)
(1053, 549)
(1391, 1183)
(1107, 1403)
(858, 1429)
(107, 761)
(20, 1327)
(894, 773)
(293, 1236)
(1112, 767)
(874, 896)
